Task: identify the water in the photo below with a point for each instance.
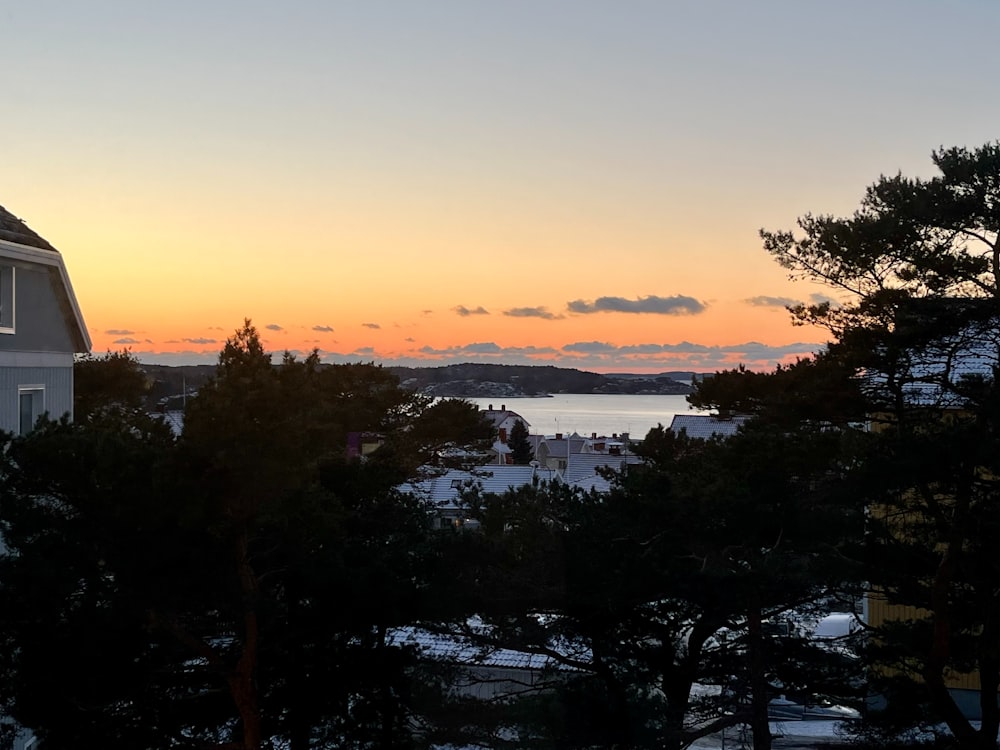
(589, 413)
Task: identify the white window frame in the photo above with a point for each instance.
(34, 390)
(7, 298)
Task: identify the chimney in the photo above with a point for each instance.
(593, 436)
(491, 407)
(503, 407)
(558, 436)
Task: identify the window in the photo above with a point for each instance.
(6, 299)
(31, 405)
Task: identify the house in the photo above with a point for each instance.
(41, 328)
(554, 452)
(503, 420)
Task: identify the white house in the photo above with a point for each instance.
(503, 420)
(41, 328)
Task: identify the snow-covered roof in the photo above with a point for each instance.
(445, 490)
(501, 415)
(581, 469)
(705, 426)
(929, 374)
(456, 649)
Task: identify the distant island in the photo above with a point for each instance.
(513, 381)
(463, 381)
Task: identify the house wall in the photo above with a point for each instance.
(57, 382)
(42, 324)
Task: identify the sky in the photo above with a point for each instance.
(568, 182)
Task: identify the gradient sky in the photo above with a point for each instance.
(570, 182)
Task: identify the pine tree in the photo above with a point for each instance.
(916, 270)
(520, 446)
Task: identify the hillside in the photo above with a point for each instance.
(532, 380)
(464, 380)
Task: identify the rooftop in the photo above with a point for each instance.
(12, 229)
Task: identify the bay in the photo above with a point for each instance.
(605, 414)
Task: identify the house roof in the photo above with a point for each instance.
(501, 415)
(445, 490)
(938, 353)
(563, 447)
(12, 229)
(581, 468)
(473, 648)
(21, 244)
(705, 426)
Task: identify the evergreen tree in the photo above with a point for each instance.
(520, 447)
(631, 591)
(114, 380)
(916, 270)
(233, 588)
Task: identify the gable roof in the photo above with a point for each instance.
(445, 490)
(582, 469)
(704, 426)
(19, 243)
(501, 415)
(12, 229)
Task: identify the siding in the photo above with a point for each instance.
(42, 323)
(58, 383)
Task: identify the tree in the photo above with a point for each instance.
(917, 271)
(234, 588)
(112, 380)
(517, 441)
(630, 591)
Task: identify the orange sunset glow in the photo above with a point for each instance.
(554, 183)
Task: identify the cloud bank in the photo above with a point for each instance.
(465, 312)
(531, 312)
(676, 305)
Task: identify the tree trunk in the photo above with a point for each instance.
(242, 682)
(941, 621)
(758, 679)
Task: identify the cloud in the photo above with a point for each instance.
(126, 340)
(589, 347)
(531, 312)
(273, 327)
(375, 326)
(200, 341)
(676, 305)
(465, 312)
(118, 332)
(365, 351)
(818, 299)
(482, 347)
(765, 301)
(323, 329)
